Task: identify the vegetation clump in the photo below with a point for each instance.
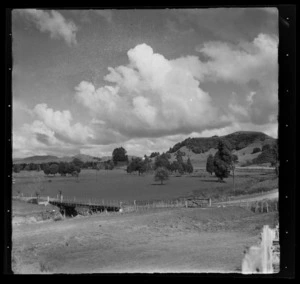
(256, 150)
(161, 174)
(222, 161)
(119, 155)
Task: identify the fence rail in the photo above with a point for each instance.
(124, 205)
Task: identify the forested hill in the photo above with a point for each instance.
(237, 140)
(49, 159)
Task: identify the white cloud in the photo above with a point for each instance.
(50, 132)
(60, 123)
(136, 146)
(253, 64)
(270, 129)
(52, 22)
(152, 102)
(246, 61)
(26, 140)
(151, 96)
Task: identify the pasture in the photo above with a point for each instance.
(118, 185)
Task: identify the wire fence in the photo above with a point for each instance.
(123, 205)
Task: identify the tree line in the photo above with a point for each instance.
(225, 161)
(40, 166)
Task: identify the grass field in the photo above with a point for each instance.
(155, 240)
(118, 185)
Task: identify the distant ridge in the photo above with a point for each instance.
(242, 143)
(238, 140)
(48, 158)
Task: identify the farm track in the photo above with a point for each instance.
(167, 240)
(273, 194)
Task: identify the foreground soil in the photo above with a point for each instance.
(165, 240)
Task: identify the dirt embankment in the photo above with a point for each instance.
(164, 240)
(26, 213)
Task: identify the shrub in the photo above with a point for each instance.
(256, 150)
(267, 156)
(266, 147)
(17, 168)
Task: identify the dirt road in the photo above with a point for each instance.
(166, 240)
(273, 194)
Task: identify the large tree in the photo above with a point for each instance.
(222, 161)
(77, 162)
(154, 154)
(139, 165)
(210, 164)
(161, 174)
(174, 166)
(63, 168)
(119, 155)
(179, 154)
(162, 161)
(109, 165)
(189, 167)
(16, 168)
(46, 169)
(180, 168)
(53, 169)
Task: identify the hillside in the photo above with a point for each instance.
(48, 159)
(237, 140)
(242, 144)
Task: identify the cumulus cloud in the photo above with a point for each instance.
(252, 64)
(52, 22)
(241, 63)
(135, 146)
(59, 122)
(153, 102)
(50, 131)
(150, 97)
(26, 140)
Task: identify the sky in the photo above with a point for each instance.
(89, 81)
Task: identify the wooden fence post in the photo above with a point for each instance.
(134, 205)
(61, 198)
(209, 202)
(186, 204)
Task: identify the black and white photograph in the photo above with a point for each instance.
(145, 140)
